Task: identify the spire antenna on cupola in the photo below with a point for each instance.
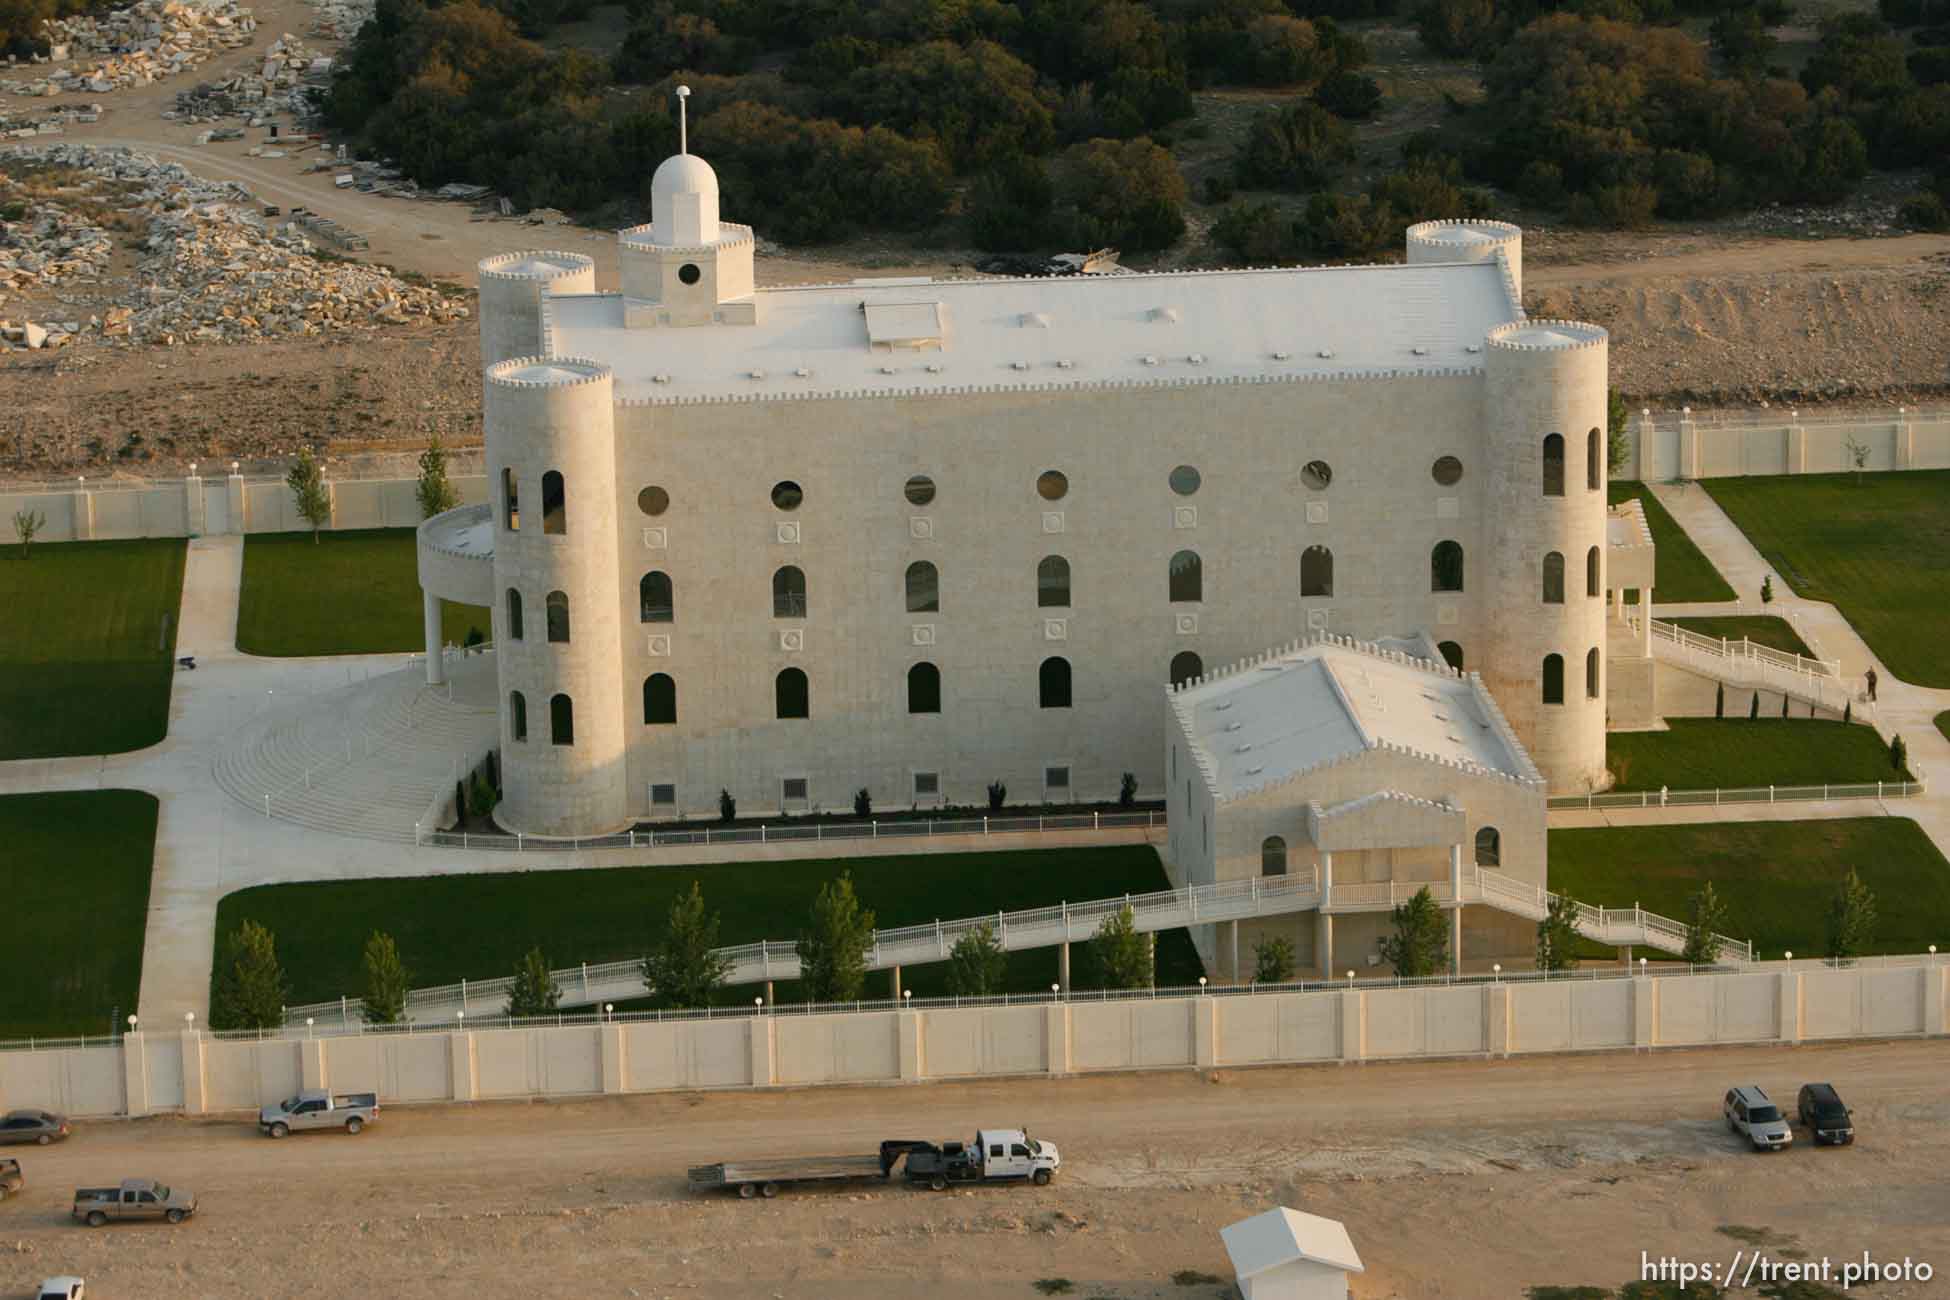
(683, 122)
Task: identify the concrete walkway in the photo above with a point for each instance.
(1901, 708)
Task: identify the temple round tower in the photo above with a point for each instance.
(1545, 412)
(513, 286)
(551, 461)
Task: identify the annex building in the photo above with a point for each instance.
(917, 536)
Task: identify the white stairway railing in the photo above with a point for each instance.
(1043, 927)
(1742, 663)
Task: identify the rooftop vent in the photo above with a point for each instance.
(1254, 771)
(1197, 358)
(1149, 360)
(803, 373)
(1065, 364)
(660, 379)
(1420, 352)
(1473, 347)
(934, 367)
(1034, 320)
(1018, 365)
(1281, 356)
(917, 325)
(1168, 315)
(886, 370)
(758, 374)
(1325, 353)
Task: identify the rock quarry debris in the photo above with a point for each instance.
(209, 267)
(150, 40)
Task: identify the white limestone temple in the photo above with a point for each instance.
(917, 536)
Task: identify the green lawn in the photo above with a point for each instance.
(1726, 753)
(1775, 633)
(355, 592)
(86, 646)
(477, 926)
(1879, 549)
(1776, 878)
(1680, 571)
(75, 877)
(1943, 723)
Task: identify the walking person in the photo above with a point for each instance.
(1870, 676)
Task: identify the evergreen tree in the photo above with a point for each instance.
(535, 992)
(27, 526)
(685, 969)
(386, 981)
(1753, 707)
(308, 495)
(1557, 934)
(1273, 960)
(1420, 943)
(977, 965)
(436, 492)
(1720, 700)
(833, 950)
(1618, 447)
(1703, 935)
(251, 990)
(1122, 952)
(1899, 756)
(1851, 918)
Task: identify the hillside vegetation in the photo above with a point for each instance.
(1035, 124)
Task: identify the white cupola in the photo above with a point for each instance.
(687, 267)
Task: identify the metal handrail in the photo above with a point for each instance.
(1740, 795)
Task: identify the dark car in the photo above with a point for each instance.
(42, 1126)
(1825, 1116)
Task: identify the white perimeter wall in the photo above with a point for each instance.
(214, 506)
(196, 1073)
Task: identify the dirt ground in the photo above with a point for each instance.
(1731, 314)
(1475, 1180)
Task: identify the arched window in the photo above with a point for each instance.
(1186, 666)
(561, 720)
(1451, 654)
(792, 695)
(1446, 567)
(555, 504)
(924, 689)
(655, 597)
(514, 615)
(510, 501)
(1316, 571)
(659, 700)
(789, 593)
(1272, 856)
(1553, 679)
(1592, 579)
(1053, 683)
(1186, 579)
(1489, 847)
(1591, 673)
(558, 617)
(1554, 465)
(1053, 583)
(1554, 578)
(923, 588)
(517, 715)
(1594, 460)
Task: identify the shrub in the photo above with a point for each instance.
(977, 965)
(387, 980)
(1629, 206)
(998, 792)
(833, 948)
(1419, 946)
(1299, 147)
(1123, 954)
(1125, 193)
(535, 992)
(1009, 206)
(1349, 95)
(1925, 211)
(862, 802)
(1273, 960)
(250, 985)
(685, 969)
(1127, 788)
(1709, 919)
(727, 806)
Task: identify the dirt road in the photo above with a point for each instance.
(1462, 1179)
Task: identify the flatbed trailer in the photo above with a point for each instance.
(765, 1177)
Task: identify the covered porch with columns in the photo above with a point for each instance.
(456, 562)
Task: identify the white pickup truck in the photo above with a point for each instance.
(317, 1108)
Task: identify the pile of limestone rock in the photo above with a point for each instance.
(281, 84)
(211, 269)
(340, 20)
(146, 42)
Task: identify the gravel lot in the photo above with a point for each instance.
(1456, 1179)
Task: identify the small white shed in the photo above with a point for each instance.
(1286, 1255)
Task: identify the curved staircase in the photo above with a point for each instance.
(367, 759)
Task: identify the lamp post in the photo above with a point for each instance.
(759, 1005)
(907, 997)
(308, 1024)
(1350, 978)
(609, 1010)
(1496, 969)
(132, 1024)
(189, 1020)
(1201, 984)
(1788, 955)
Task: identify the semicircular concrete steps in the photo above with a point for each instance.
(365, 759)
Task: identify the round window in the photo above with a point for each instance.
(786, 495)
(1051, 485)
(1447, 470)
(1317, 474)
(653, 501)
(689, 273)
(919, 490)
(1184, 480)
